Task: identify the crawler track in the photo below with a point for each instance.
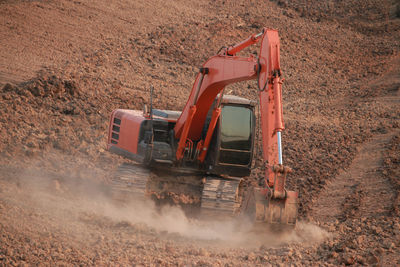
(210, 197)
(220, 198)
(129, 182)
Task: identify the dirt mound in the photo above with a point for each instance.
(48, 115)
(51, 86)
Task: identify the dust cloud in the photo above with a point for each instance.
(71, 197)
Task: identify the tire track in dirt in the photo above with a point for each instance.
(359, 189)
(357, 205)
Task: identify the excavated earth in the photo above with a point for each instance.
(65, 65)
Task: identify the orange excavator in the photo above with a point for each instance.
(201, 158)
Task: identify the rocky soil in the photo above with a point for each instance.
(65, 65)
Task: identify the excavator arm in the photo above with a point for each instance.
(227, 68)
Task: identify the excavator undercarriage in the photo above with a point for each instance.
(205, 197)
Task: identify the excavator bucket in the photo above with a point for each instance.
(266, 212)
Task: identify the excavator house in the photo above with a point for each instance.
(201, 158)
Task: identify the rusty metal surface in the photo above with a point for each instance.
(261, 209)
(129, 182)
(220, 198)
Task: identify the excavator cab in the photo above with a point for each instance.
(231, 150)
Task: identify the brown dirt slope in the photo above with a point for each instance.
(64, 65)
